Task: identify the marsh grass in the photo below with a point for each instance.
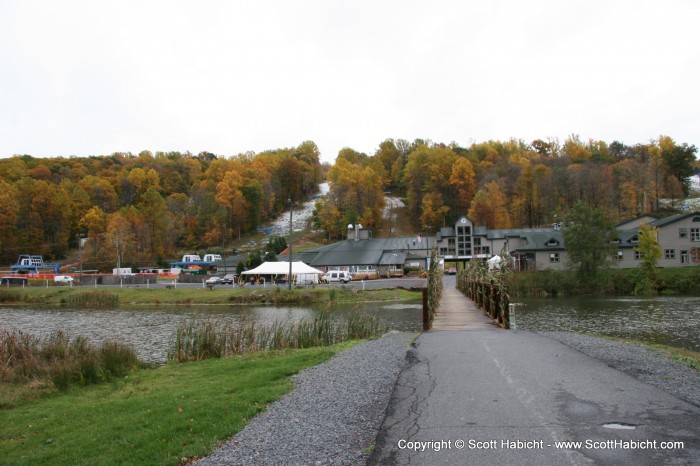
(197, 339)
(11, 296)
(57, 362)
(91, 299)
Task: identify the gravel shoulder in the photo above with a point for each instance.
(646, 364)
(331, 417)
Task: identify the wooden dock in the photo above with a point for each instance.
(457, 312)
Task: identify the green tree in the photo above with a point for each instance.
(589, 235)
(650, 251)
(679, 159)
(277, 244)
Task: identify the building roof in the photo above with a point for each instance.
(635, 222)
(673, 218)
(544, 240)
(372, 251)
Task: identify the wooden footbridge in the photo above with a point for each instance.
(457, 312)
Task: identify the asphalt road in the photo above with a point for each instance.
(498, 397)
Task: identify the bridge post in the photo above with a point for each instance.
(426, 311)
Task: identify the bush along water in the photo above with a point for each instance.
(91, 298)
(676, 280)
(197, 338)
(61, 361)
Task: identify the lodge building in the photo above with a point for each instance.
(531, 248)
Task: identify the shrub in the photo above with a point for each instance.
(196, 339)
(60, 360)
(92, 298)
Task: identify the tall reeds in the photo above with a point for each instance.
(91, 298)
(196, 339)
(60, 361)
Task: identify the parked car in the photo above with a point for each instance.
(213, 280)
(337, 276)
(63, 279)
(228, 279)
(452, 270)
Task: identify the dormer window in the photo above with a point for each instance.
(615, 241)
(696, 219)
(552, 242)
(634, 239)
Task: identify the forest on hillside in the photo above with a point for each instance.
(506, 184)
(145, 207)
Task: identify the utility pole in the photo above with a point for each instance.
(80, 252)
(291, 210)
(119, 262)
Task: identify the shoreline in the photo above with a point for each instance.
(196, 296)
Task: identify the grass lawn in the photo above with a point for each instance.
(156, 416)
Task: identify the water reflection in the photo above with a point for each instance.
(673, 321)
(150, 329)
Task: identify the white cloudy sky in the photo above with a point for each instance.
(94, 77)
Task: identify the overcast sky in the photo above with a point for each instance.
(96, 77)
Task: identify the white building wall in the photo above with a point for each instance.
(671, 239)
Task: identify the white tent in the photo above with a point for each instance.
(302, 272)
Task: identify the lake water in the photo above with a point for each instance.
(150, 329)
(673, 321)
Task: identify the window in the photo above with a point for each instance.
(684, 257)
(638, 255)
(669, 253)
(682, 232)
(552, 242)
(553, 257)
(695, 234)
(618, 256)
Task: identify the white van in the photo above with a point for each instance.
(63, 279)
(337, 276)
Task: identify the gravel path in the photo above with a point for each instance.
(639, 361)
(331, 417)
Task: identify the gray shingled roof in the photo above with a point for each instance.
(363, 252)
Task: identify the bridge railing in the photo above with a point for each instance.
(433, 292)
(489, 296)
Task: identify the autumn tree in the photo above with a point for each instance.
(228, 194)
(680, 161)
(429, 170)
(153, 209)
(355, 196)
(463, 179)
(488, 208)
(9, 214)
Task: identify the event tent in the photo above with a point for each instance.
(302, 272)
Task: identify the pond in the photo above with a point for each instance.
(150, 329)
(668, 320)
